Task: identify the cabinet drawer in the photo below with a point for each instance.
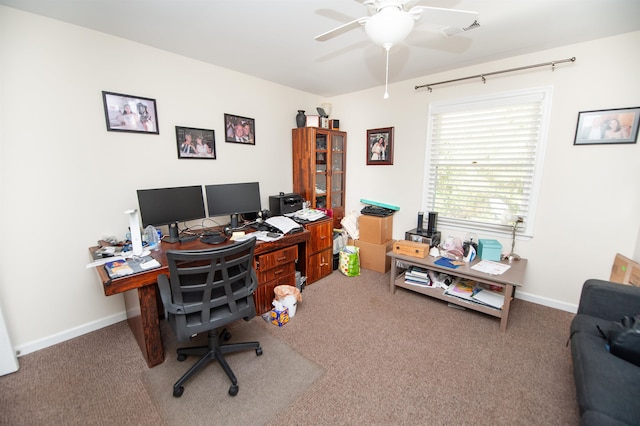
(320, 265)
(265, 276)
(264, 294)
(321, 236)
(277, 258)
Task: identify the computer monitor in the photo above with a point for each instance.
(169, 206)
(233, 199)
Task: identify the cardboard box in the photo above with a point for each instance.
(489, 249)
(374, 256)
(625, 271)
(411, 248)
(374, 229)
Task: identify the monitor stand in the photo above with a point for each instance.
(234, 221)
(174, 234)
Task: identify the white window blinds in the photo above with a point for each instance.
(483, 159)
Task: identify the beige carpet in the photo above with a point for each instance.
(268, 383)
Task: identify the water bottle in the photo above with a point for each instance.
(151, 235)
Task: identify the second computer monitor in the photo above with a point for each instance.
(233, 199)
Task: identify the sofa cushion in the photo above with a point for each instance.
(604, 383)
(589, 324)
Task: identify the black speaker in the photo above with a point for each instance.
(420, 218)
(432, 223)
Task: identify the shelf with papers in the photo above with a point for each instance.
(440, 293)
(513, 277)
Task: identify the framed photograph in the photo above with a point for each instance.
(196, 143)
(380, 147)
(239, 129)
(127, 113)
(607, 126)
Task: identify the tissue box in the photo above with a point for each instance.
(279, 318)
(489, 250)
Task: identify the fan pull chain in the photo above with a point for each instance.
(386, 81)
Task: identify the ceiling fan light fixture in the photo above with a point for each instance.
(389, 26)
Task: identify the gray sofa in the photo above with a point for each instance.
(607, 387)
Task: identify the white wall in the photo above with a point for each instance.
(66, 181)
(589, 207)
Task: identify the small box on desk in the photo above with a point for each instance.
(375, 229)
(423, 236)
(374, 256)
(411, 248)
(489, 249)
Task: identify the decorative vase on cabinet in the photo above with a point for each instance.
(301, 119)
(319, 175)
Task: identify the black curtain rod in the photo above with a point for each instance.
(484, 80)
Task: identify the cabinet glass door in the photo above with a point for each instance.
(337, 170)
(321, 171)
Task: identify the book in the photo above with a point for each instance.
(462, 289)
(489, 295)
(123, 267)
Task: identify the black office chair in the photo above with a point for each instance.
(207, 290)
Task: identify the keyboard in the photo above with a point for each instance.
(376, 211)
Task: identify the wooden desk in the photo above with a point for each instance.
(142, 301)
(511, 279)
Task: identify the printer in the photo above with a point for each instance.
(283, 204)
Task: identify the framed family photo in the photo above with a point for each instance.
(380, 146)
(608, 126)
(128, 113)
(196, 143)
(239, 129)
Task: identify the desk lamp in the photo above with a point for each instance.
(134, 229)
(516, 221)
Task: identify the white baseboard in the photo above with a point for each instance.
(547, 302)
(104, 322)
(36, 345)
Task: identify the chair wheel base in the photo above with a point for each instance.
(233, 390)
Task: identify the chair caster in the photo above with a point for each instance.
(233, 390)
(225, 335)
(258, 351)
(181, 357)
(177, 392)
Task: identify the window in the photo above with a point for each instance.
(484, 160)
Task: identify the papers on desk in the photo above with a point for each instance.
(490, 267)
(124, 267)
(284, 224)
(309, 214)
(260, 236)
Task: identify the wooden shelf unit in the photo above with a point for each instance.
(512, 278)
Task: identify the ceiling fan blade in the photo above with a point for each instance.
(440, 16)
(342, 29)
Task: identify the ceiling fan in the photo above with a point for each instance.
(391, 21)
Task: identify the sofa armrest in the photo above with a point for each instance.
(608, 300)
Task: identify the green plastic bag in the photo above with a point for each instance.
(350, 261)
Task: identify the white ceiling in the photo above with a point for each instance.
(274, 39)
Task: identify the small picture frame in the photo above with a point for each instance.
(380, 146)
(128, 113)
(196, 143)
(239, 129)
(607, 126)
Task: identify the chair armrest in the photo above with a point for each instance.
(254, 281)
(608, 300)
(165, 294)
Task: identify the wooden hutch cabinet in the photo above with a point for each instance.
(319, 162)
